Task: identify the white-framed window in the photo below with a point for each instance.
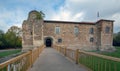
(76, 30)
(57, 30)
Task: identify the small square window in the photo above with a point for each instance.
(91, 39)
(59, 40)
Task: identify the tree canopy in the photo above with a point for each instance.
(40, 15)
(116, 39)
(11, 39)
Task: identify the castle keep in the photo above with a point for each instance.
(77, 35)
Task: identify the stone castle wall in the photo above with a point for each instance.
(32, 32)
(106, 37)
(36, 31)
(69, 39)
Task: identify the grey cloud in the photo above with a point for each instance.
(91, 7)
(108, 9)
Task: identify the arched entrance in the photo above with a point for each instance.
(48, 41)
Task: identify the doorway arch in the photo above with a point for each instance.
(48, 41)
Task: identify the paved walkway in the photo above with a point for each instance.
(51, 60)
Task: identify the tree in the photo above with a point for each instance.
(14, 34)
(16, 30)
(39, 15)
(42, 14)
(10, 38)
(1, 39)
(116, 39)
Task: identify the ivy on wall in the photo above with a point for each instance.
(39, 15)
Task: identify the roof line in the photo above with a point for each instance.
(70, 22)
(105, 20)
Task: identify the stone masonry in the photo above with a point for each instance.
(90, 35)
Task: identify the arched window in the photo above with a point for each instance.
(107, 29)
(91, 31)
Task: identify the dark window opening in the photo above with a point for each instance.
(107, 29)
(91, 39)
(60, 40)
(91, 31)
(31, 33)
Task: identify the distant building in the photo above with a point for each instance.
(83, 35)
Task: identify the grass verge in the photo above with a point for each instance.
(100, 64)
(9, 52)
(113, 54)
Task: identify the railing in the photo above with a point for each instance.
(67, 52)
(93, 61)
(21, 62)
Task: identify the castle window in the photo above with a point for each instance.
(91, 39)
(59, 40)
(107, 29)
(57, 30)
(91, 31)
(76, 31)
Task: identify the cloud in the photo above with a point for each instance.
(62, 15)
(116, 17)
(3, 26)
(86, 10)
(10, 18)
(67, 15)
(90, 8)
(14, 12)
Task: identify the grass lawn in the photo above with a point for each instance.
(100, 64)
(9, 52)
(113, 54)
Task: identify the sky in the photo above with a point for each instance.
(13, 12)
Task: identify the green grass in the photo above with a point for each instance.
(113, 54)
(100, 64)
(9, 52)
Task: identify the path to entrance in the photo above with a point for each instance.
(51, 60)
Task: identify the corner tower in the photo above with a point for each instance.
(105, 34)
(32, 31)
